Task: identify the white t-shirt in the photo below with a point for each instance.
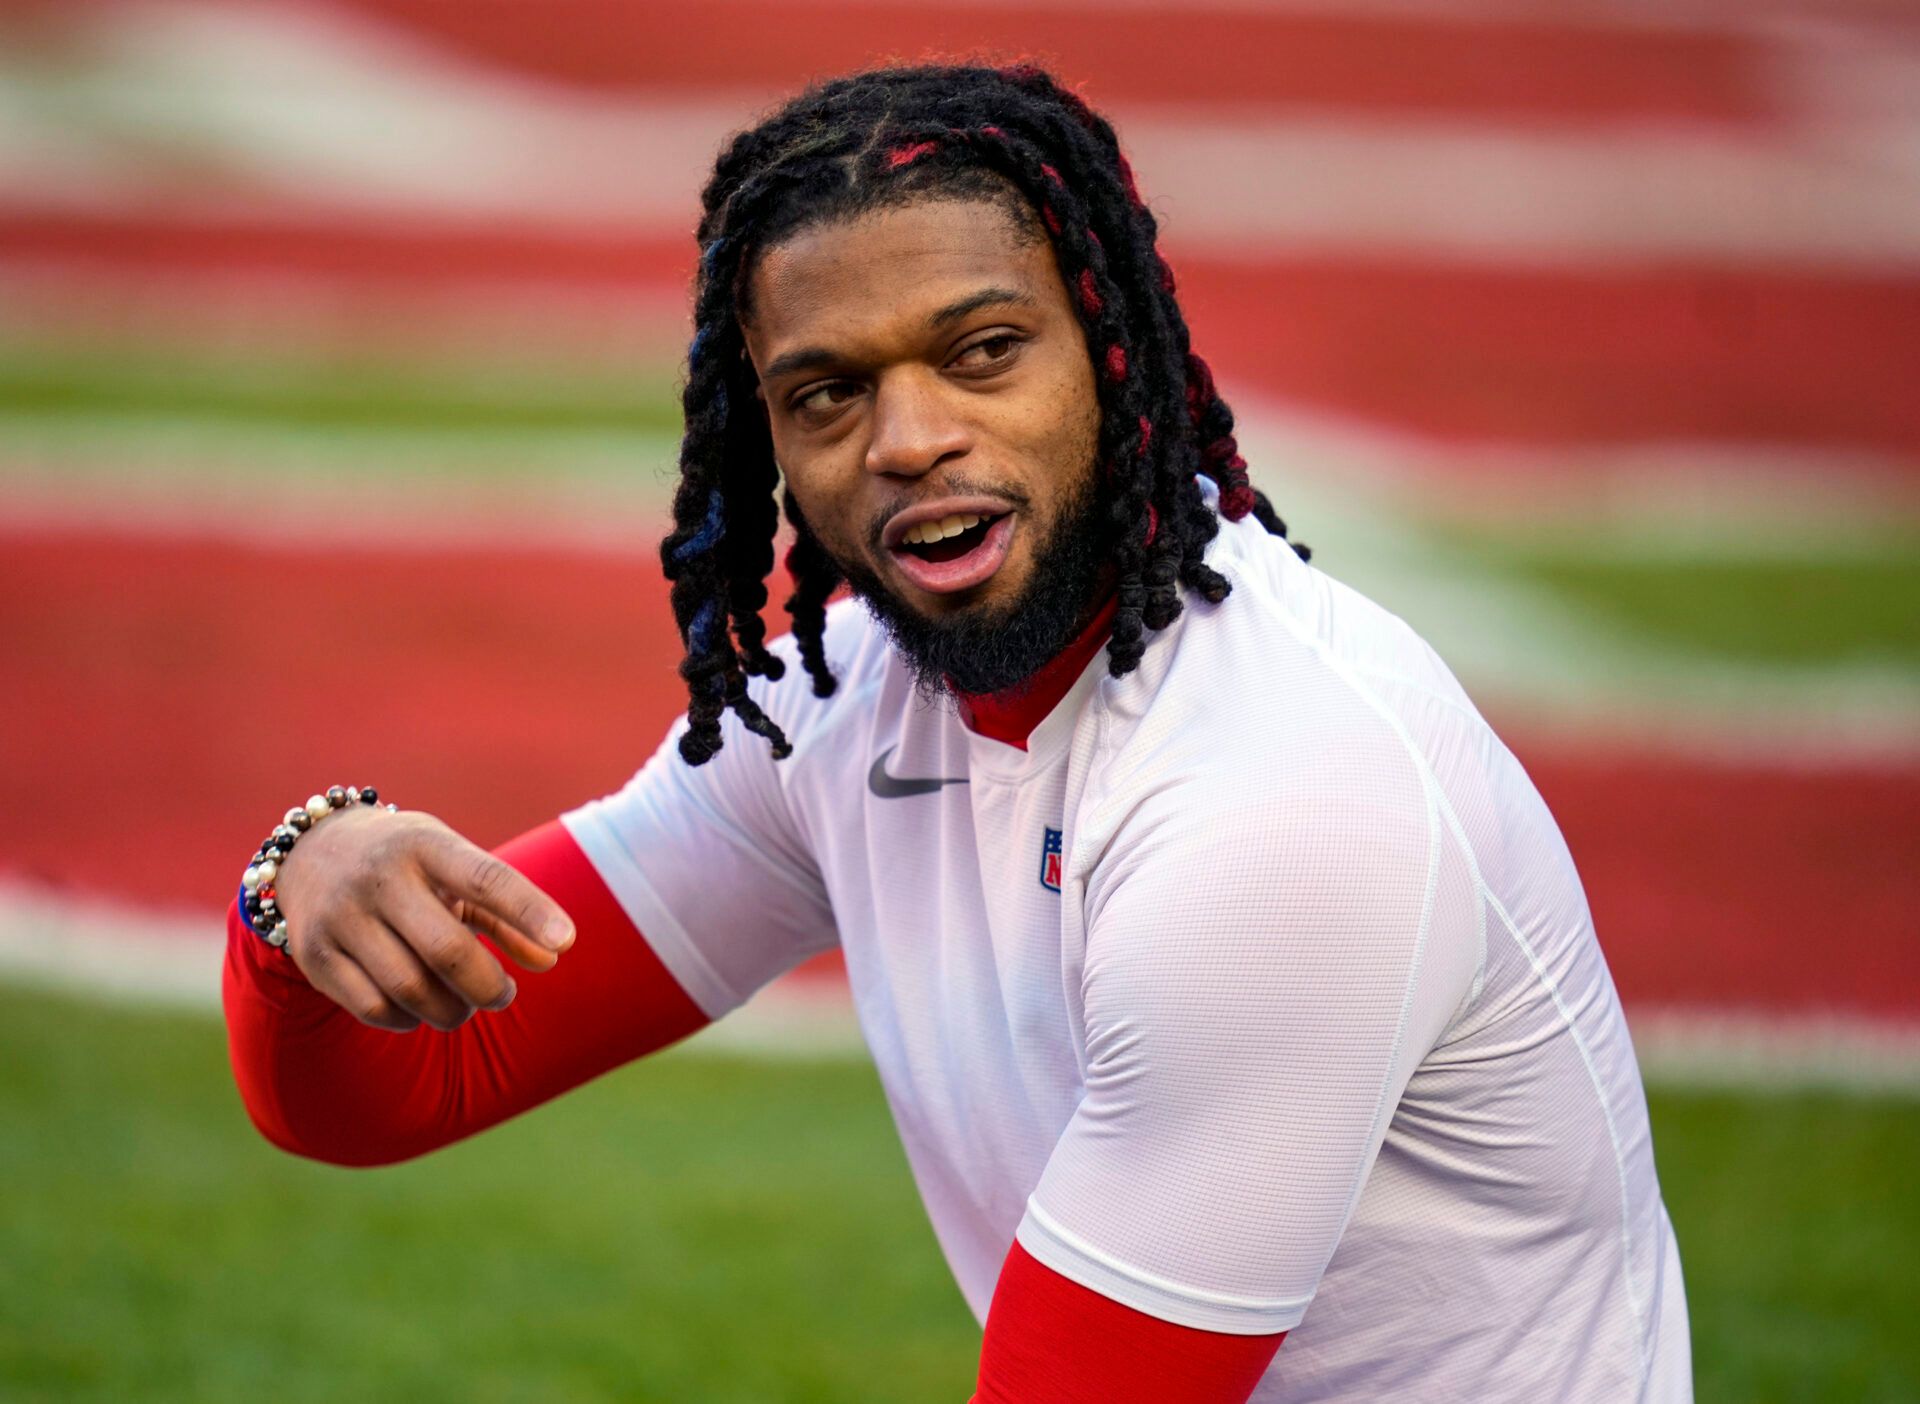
(1259, 993)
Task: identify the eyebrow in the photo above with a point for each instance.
(814, 357)
(986, 297)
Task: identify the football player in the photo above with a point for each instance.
(1228, 980)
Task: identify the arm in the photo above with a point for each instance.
(320, 1083)
(1263, 970)
(1051, 1341)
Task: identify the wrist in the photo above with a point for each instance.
(259, 906)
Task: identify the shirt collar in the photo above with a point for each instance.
(1010, 716)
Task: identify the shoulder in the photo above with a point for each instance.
(1294, 681)
(1255, 701)
(1253, 749)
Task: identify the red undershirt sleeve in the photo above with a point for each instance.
(1051, 1341)
(319, 1083)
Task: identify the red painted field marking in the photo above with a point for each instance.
(1554, 70)
(193, 684)
(1455, 351)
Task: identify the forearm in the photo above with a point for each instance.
(319, 1083)
(1050, 1340)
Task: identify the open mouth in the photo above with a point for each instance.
(950, 538)
(955, 552)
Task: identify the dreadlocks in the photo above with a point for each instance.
(888, 137)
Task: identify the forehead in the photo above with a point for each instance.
(888, 267)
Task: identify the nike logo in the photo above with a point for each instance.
(894, 787)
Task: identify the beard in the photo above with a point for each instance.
(980, 650)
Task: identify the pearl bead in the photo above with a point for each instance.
(353, 794)
(267, 873)
(369, 795)
(317, 806)
(298, 818)
(278, 936)
(252, 880)
(337, 797)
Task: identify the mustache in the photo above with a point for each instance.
(957, 485)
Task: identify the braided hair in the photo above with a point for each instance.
(891, 136)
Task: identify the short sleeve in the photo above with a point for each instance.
(710, 864)
(1266, 964)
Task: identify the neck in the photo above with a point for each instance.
(1011, 716)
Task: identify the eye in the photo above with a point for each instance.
(812, 402)
(1000, 348)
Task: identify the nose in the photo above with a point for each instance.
(914, 429)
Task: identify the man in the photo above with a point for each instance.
(1216, 958)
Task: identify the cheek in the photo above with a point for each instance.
(823, 501)
(1071, 443)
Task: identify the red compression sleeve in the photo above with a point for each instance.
(320, 1083)
(1051, 1341)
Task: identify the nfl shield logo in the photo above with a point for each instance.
(1050, 861)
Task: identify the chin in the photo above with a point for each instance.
(978, 641)
(989, 599)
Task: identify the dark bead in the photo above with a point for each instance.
(301, 820)
(368, 796)
(253, 904)
(337, 796)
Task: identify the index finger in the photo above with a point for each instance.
(465, 870)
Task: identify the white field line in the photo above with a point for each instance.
(1730, 17)
(98, 949)
(602, 494)
(1695, 16)
(304, 107)
(490, 325)
(1351, 490)
(1347, 488)
(1481, 192)
(116, 954)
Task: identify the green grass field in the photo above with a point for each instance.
(1858, 602)
(705, 1228)
(708, 1229)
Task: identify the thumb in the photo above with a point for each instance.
(522, 948)
(495, 898)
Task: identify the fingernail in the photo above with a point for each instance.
(557, 934)
(507, 998)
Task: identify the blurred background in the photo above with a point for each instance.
(340, 349)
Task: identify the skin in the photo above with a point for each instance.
(379, 906)
(899, 411)
(894, 413)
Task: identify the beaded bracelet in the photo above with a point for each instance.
(256, 887)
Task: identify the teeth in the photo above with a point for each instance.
(926, 533)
